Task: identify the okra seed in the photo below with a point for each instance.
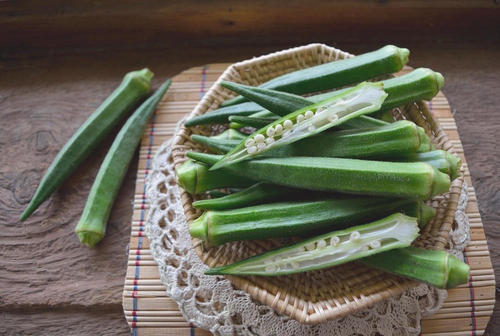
(259, 138)
(249, 142)
(375, 244)
(252, 149)
(261, 146)
(355, 236)
(278, 129)
(270, 131)
(335, 240)
(321, 243)
(269, 140)
(309, 114)
(288, 124)
(333, 118)
(300, 118)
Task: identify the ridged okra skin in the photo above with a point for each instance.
(230, 134)
(195, 178)
(299, 218)
(386, 60)
(330, 249)
(400, 179)
(438, 268)
(220, 116)
(243, 121)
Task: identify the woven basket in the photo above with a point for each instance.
(314, 296)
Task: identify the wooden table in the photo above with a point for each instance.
(50, 284)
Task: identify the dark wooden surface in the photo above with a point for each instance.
(49, 283)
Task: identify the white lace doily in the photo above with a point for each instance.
(210, 302)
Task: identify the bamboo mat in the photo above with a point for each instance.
(150, 312)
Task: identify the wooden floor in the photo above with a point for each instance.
(50, 282)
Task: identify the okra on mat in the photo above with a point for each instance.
(300, 218)
(330, 249)
(386, 60)
(364, 98)
(401, 179)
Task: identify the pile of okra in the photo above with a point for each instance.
(333, 169)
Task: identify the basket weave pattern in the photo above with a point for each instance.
(314, 296)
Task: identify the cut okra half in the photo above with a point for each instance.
(330, 249)
(364, 98)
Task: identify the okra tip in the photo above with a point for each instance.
(458, 272)
(198, 228)
(145, 75)
(440, 183)
(89, 238)
(455, 165)
(439, 80)
(402, 53)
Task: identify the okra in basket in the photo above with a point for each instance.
(330, 169)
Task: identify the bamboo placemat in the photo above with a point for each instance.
(150, 312)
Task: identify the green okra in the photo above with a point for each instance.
(442, 160)
(261, 114)
(438, 268)
(401, 179)
(195, 178)
(314, 119)
(92, 224)
(134, 87)
(389, 141)
(331, 249)
(383, 61)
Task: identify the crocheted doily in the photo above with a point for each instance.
(210, 302)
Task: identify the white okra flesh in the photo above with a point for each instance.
(331, 249)
(364, 98)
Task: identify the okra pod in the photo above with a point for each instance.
(364, 98)
(330, 249)
(195, 178)
(134, 87)
(393, 140)
(402, 179)
(386, 60)
(438, 268)
(92, 224)
(362, 121)
(255, 194)
(298, 218)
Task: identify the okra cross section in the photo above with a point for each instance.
(330, 249)
(362, 99)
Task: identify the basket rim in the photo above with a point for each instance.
(282, 301)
